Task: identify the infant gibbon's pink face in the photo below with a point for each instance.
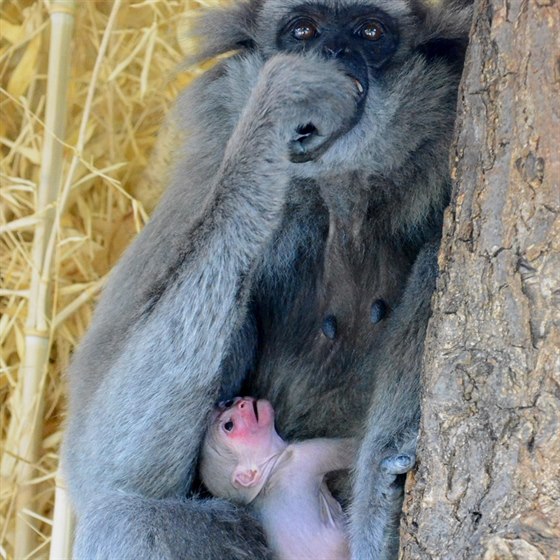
(246, 426)
(245, 421)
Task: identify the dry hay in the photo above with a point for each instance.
(109, 197)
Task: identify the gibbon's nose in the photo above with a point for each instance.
(334, 50)
(247, 405)
(224, 405)
(243, 403)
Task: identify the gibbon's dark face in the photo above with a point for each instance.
(405, 64)
(361, 38)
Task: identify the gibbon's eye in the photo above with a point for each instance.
(371, 30)
(228, 426)
(304, 30)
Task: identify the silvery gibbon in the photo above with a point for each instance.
(292, 258)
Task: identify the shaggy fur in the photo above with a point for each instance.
(257, 275)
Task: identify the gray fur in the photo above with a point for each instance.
(397, 385)
(130, 527)
(226, 289)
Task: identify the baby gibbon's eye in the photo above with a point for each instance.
(304, 30)
(228, 426)
(372, 30)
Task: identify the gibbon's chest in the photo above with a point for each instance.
(320, 323)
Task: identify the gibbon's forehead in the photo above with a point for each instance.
(278, 8)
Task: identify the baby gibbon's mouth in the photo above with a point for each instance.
(255, 408)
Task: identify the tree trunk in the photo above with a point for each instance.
(488, 481)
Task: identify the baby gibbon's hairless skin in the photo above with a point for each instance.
(293, 258)
(245, 460)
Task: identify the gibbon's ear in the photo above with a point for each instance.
(445, 27)
(245, 477)
(221, 30)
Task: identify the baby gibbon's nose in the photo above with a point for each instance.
(245, 402)
(224, 405)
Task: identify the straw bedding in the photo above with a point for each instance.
(109, 199)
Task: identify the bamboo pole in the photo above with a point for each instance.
(31, 379)
(63, 523)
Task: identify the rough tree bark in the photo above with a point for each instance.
(488, 481)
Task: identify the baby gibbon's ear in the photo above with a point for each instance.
(245, 477)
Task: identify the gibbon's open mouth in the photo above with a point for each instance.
(256, 409)
(357, 70)
(359, 87)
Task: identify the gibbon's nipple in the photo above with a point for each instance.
(329, 327)
(378, 311)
